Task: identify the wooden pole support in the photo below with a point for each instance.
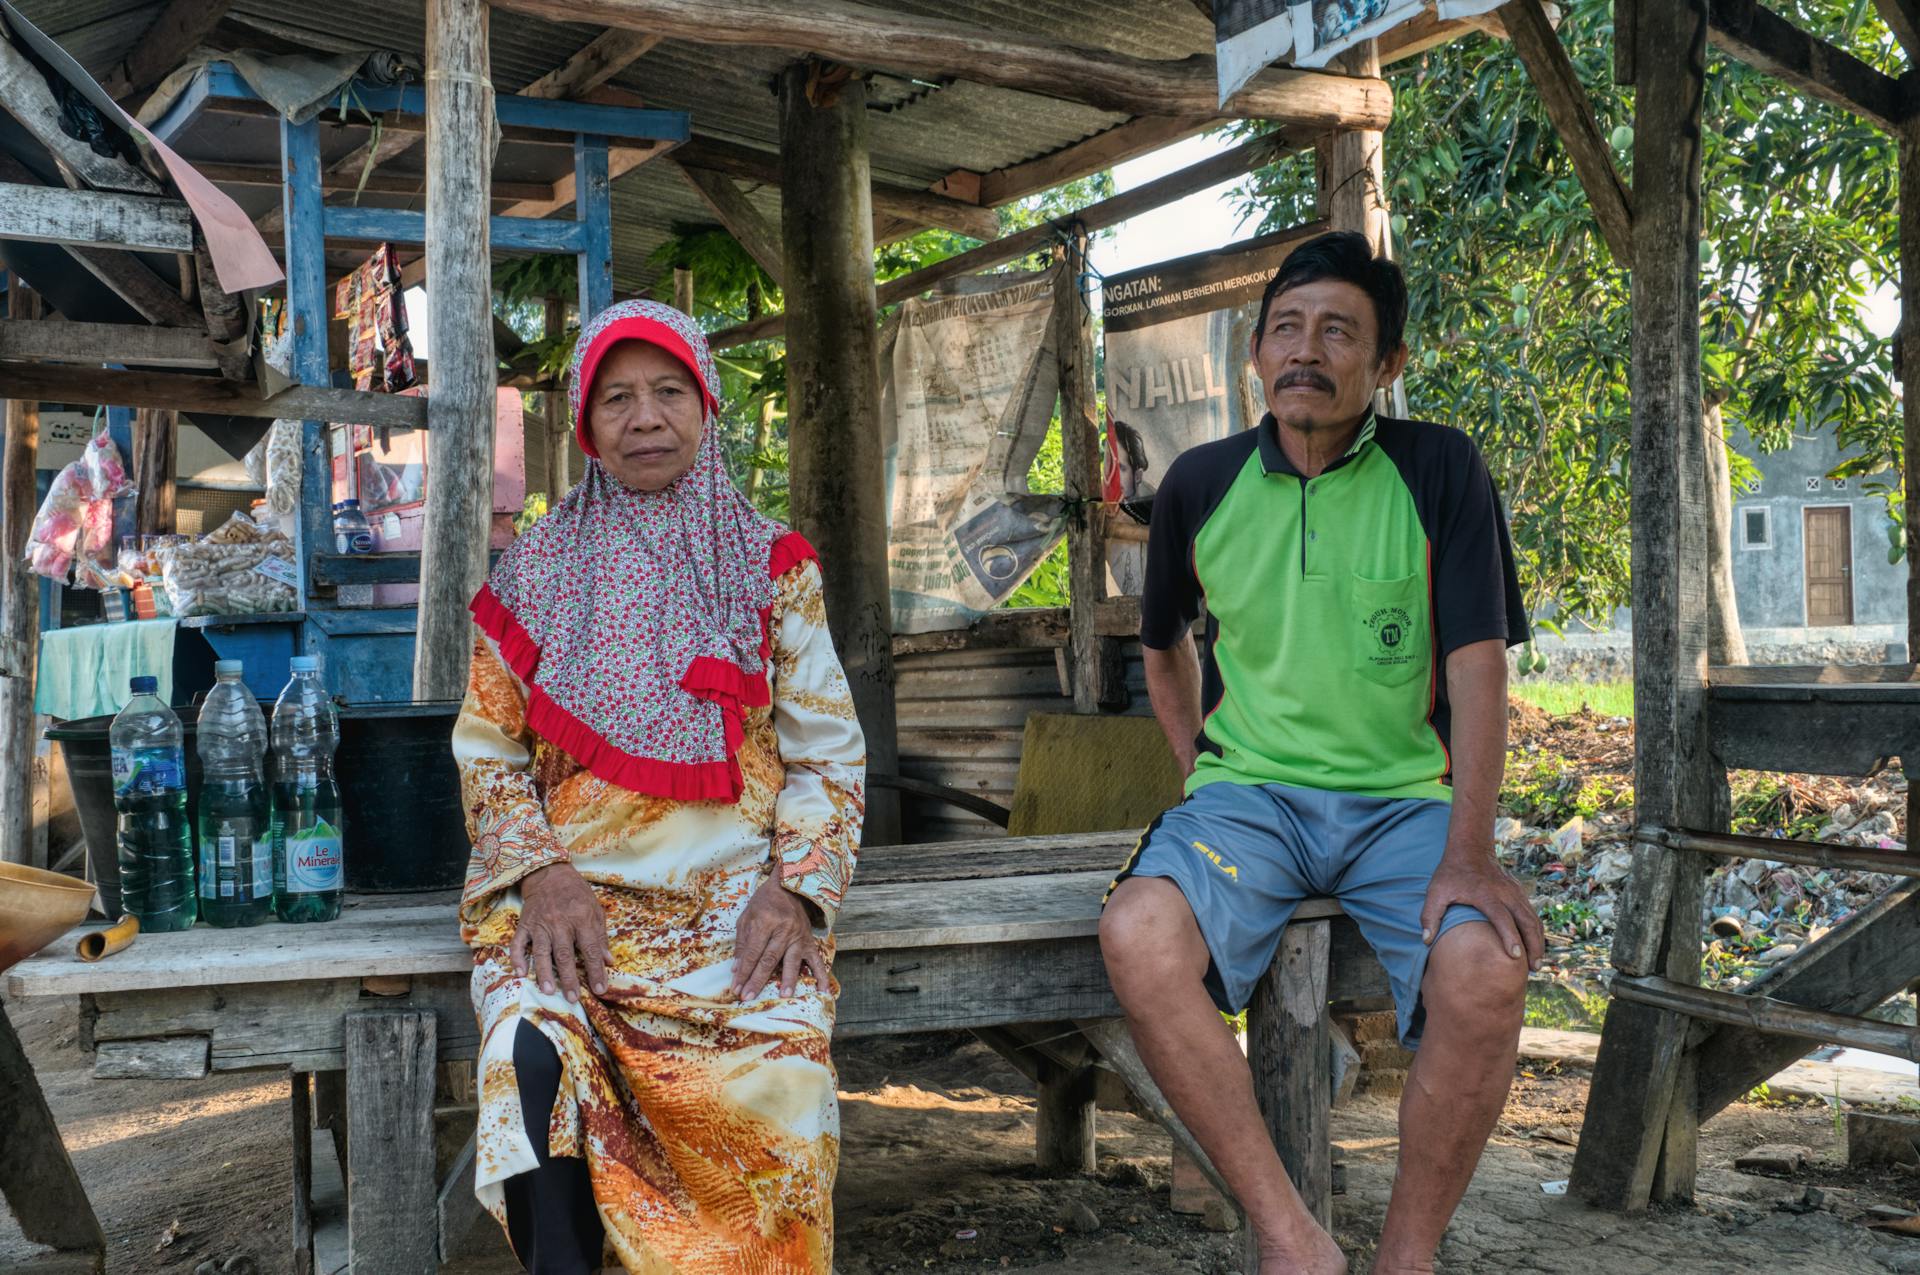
(1289, 1043)
(1631, 1112)
(19, 607)
(1080, 452)
(1064, 1120)
(836, 483)
(460, 411)
(300, 1109)
(37, 1180)
(392, 1195)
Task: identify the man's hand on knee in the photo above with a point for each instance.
(1478, 881)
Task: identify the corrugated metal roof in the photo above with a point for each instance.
(918, 133)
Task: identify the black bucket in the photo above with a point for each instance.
(400, 793)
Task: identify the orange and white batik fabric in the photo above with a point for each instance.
(709, 1126)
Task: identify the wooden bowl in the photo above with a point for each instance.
(36, 908)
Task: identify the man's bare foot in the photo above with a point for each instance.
(1312, 1254)
(1390, 1265)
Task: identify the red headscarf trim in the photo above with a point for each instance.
(635, 328)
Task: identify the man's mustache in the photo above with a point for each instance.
(1312, 379)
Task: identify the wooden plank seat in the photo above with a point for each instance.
(987, 934)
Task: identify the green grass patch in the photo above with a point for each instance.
(1609, 699)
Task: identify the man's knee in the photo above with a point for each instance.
(1473, 981)
(1148, 935)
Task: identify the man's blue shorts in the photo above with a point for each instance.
(1245, 856)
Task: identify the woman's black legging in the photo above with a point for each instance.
(551, 1217)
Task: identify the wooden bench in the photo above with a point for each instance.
(972, 935)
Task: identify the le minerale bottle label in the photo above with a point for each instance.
(313, 859)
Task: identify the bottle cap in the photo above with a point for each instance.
(304, 664)
(224, 668)
(145, 685)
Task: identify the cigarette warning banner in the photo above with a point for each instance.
(1179, 372)
(967, 391)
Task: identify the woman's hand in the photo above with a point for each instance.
(775, 934)
(562, 927)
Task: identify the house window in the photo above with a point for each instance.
(1756, 527)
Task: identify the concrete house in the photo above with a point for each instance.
(1810, 551)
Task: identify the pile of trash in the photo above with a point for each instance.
(1567, 828)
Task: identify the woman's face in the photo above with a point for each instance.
(644, 415)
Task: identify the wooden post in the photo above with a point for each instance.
(1089, 655)
(453, 555)
(300, 1108)
(1908, 356)
(1064, 1120)
(683, 289)
(1633, 1117)
(1353, 188)
(1289, 1043)
(37, 1181)
(393, 1223)
(838, 490)
(593, 205)
(308, 308)
(20, 598)
(559, 431)
(155, 444)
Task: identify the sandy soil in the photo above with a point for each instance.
(939, 1141)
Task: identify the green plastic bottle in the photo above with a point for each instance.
(236, 820)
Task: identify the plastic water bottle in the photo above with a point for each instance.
(308, 874)
(236, 819)
(150, 794)
(352, 533)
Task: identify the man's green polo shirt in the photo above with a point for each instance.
(1332, 602)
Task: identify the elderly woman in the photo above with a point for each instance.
(663, 780)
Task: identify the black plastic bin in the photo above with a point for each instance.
(399, 790)
(400, 794)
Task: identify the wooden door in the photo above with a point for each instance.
(1829, 540)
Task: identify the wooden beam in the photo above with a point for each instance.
(621, 160)
(837, 487)
(1630, 1125)
(1571, 111)
(1428, 31)
(25, 95)
(37, 1178)
(49, 214)
(1288, 1048)
(1767, 42)
(19, 598)
(337, 182)
(1903, 19)
(869, 36)
(180, 28)
(741, 219)
(134, 283)
(155, 449)
(460, 411)
(605, 56)
(1907, 368)
(1117, 145)
(378, 149)
(393, 1227)
(1871, 955)
(97, 343)
(182, 392)
(923, 207)
(1766, 1016)
(1108, 212)
(1080, 452)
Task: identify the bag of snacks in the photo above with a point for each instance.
(237, 569)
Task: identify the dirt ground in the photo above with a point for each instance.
(939, 1143)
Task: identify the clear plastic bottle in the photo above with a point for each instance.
(352, 533)
(308, 872)
(236, 817)
(150, 795)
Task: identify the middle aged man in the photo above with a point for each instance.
(1345, 737)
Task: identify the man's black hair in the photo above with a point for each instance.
(1348, 257)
